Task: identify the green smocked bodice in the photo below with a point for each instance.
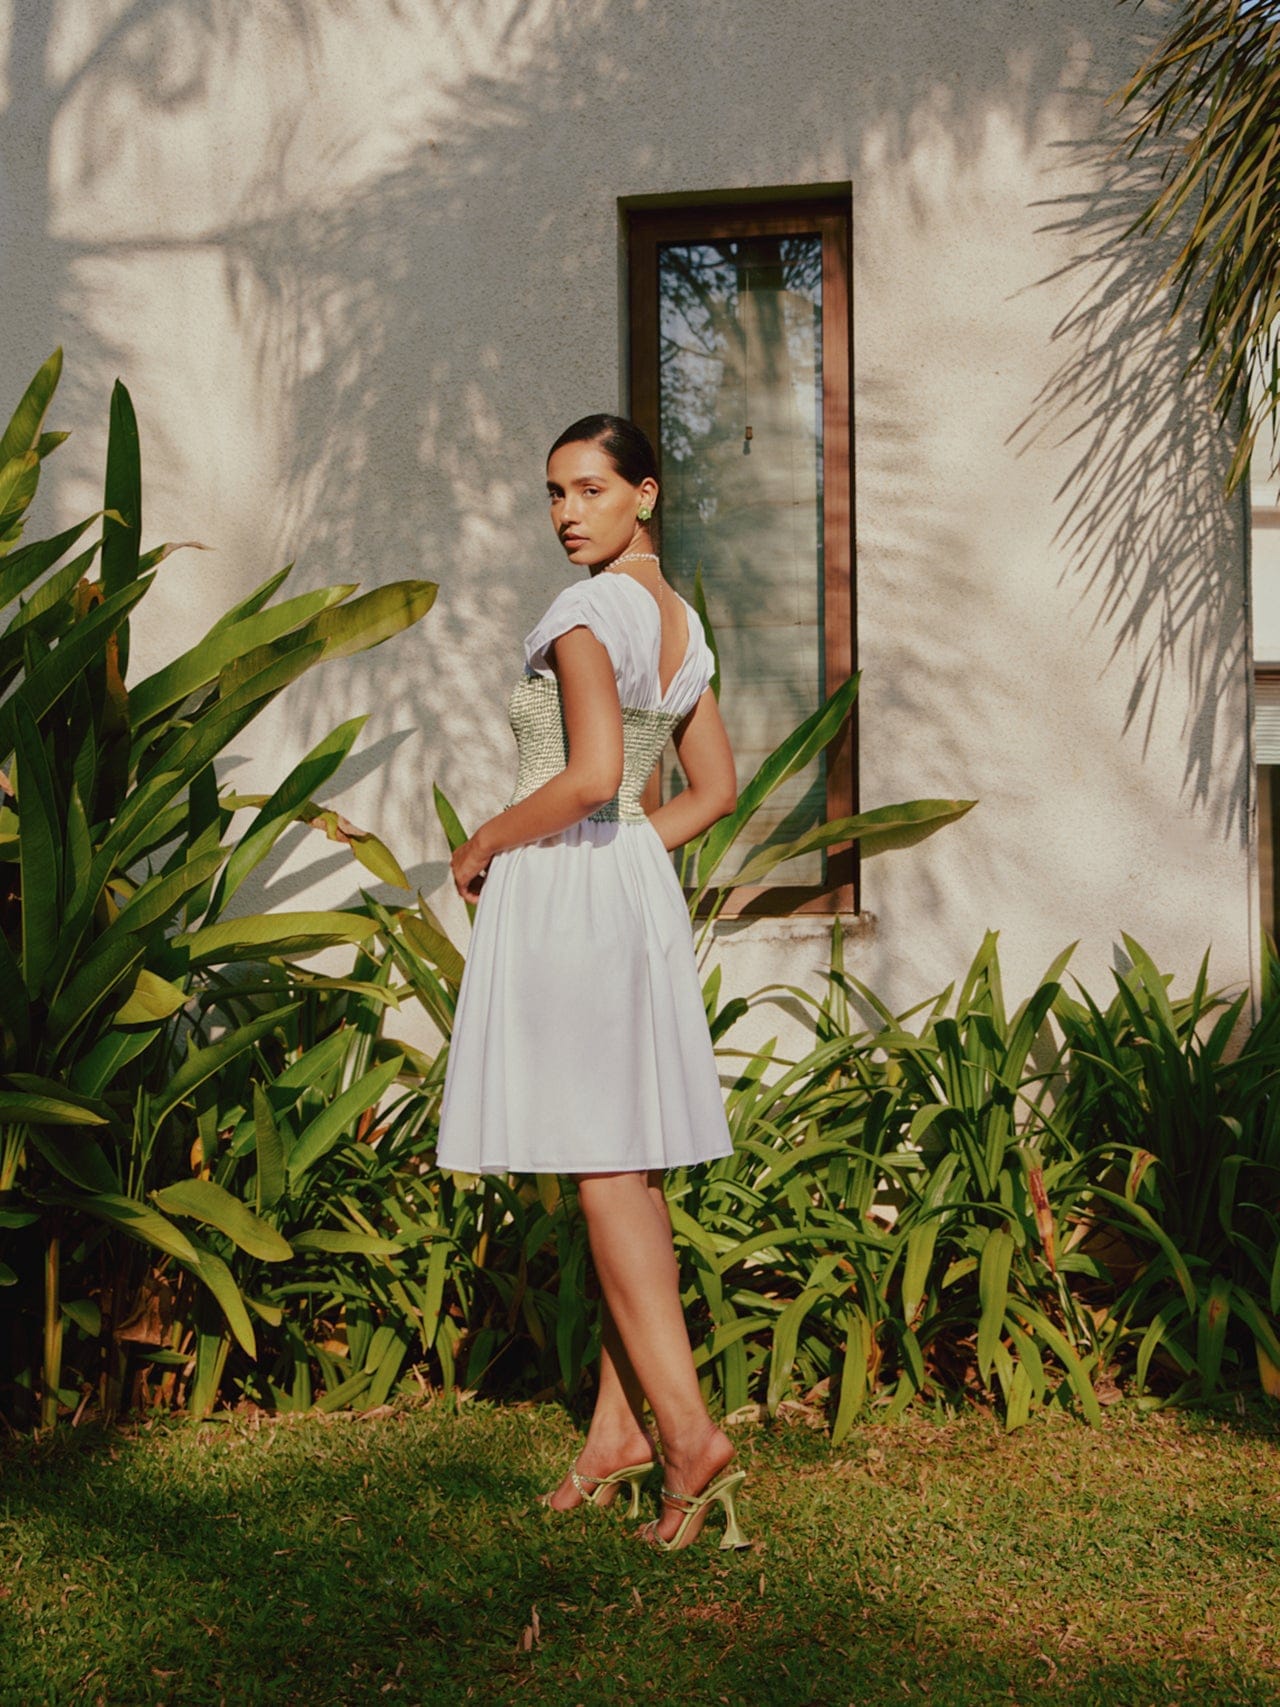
(543, 746)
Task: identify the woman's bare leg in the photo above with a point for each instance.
(617, 1435)
(630, 1232)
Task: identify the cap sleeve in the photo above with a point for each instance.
(704, 662)
(578, 606)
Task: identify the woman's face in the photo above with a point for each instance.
(593, 508)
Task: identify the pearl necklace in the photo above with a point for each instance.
(637, 556)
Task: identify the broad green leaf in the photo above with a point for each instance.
(921, 1242)
(257, 935)
(312, 1068)
(1075, 1368)
(99, 979)
(152, 1000)
(372, 853)
(348, 628)
(183, 756)
(71, 1152)
(853, 1375)
(93, 1072)
(35, 1108)
(209, 1267)
(85, 1313)
(15, 1010)
(455, 835)
(787, 1331)
(372, 618)
(427, 937)
(139, 1220)
(205, 1201)
(335, 1241)
(260, 596)
(222, 645)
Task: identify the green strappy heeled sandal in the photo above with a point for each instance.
(606, 1488)
(720, 1488)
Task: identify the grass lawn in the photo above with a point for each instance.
(401, 1557)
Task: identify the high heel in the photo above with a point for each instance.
(720, 1488)
(605, 1490)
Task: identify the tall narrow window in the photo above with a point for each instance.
(740, 344)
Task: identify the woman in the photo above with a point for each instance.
(580, 1040)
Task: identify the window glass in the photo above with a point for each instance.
(740, 409)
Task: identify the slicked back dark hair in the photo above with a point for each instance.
(626, 446)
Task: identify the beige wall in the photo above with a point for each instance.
(359, 263)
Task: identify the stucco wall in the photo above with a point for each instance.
(359, 263)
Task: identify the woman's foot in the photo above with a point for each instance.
(600, 1458)
(687, 1470)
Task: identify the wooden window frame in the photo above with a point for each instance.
(829, 219)
(1268, 832)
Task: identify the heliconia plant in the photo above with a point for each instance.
(122, 857)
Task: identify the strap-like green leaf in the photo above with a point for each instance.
(40, 844)
(804, 743)
(270, 1150)
(882, 828)
(328, 1126)
(202, 1064)
(282, 808)
(24, 567)
(122, 541)
(23, 431)
(993, 1291)
(45, 685)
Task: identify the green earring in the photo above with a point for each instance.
(644, 514)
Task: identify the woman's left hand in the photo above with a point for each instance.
(469, 866)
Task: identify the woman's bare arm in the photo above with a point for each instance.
(593, 723)
(706, 758)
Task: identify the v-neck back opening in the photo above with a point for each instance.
(663, 692)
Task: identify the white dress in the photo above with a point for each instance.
(580, 1040)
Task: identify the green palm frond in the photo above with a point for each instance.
(1210, 91)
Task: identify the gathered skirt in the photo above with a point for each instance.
(580, 1040)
